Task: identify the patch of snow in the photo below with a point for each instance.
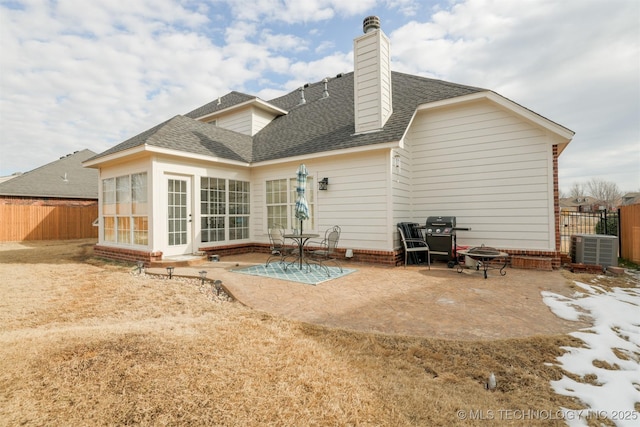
(614, 385)
(560, 306)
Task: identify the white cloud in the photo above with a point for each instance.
(295, 11)
(307, 72)
(283, 42)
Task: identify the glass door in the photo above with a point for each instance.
(179, 239)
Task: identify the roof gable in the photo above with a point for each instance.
(184, 134)
(560, 134)
(229, 100)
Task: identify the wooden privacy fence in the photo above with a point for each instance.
(29, 222)
(630, 232)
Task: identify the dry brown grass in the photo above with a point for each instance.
(85, 342)
(606, 282)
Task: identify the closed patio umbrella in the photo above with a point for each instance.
(302, 208)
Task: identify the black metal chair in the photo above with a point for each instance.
(279, 249)
(328, 248)
(414, 245)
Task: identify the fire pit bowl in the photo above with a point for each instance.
(483, 250)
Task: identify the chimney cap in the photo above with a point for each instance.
(370, 23)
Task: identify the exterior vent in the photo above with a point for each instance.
(370, 23)
(594, 249)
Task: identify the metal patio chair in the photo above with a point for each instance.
(328, 249)
(414, 245)
(279, 249)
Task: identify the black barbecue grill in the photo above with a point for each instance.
(440, 234)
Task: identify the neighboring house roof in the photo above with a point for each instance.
(584, 201)
(577, 201)
(631, 198)
(320, 124)
(64, 178)
(7, 178)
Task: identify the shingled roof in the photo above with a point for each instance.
(319, 125)
(326, 124)
(65, 178)
(191, 136)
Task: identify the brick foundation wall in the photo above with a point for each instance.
(359, 256)
(537, 260)
(531, 263)
(127, 255)
(528, 258)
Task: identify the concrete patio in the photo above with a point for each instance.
(439, 303)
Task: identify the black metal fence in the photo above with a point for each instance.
(599, 222)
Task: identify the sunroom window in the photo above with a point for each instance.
(125, 209)
(224, 208)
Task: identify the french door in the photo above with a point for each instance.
(179, 218)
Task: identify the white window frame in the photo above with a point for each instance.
(125, 208)
(285, 206)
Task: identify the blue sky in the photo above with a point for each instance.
(80, 74)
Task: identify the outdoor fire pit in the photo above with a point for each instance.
(485, 258)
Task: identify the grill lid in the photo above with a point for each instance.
(441, 221)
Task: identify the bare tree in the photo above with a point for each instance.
(577, 190)
(604, 191)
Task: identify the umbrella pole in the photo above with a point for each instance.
(301, 249)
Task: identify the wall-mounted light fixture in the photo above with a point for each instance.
(323, 184)
(396, 161)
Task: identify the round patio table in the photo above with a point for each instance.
(484, 257)
(301, 240)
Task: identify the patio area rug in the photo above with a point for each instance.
(311, 276)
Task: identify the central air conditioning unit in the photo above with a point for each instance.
(595, 249)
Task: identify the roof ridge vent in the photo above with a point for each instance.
(370, 23)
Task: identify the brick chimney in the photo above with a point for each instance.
(372, 77)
